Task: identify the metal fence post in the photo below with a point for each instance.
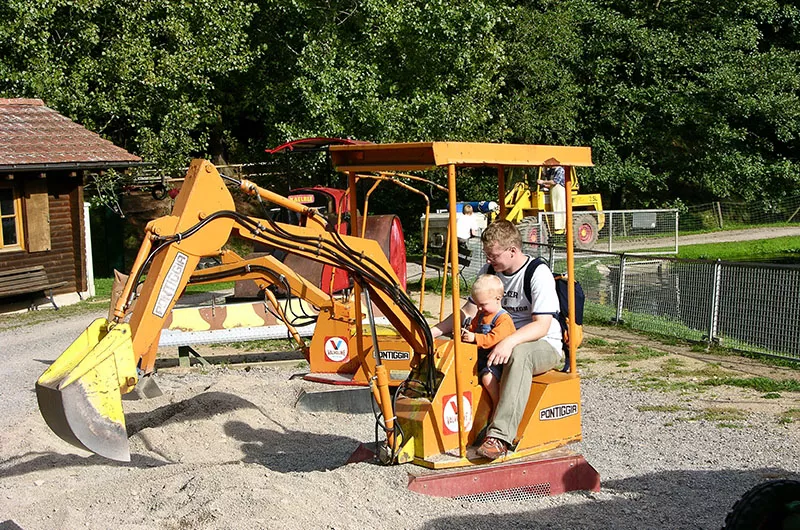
(676, 231)
(610, 231)
(620, 288)
(713, 317)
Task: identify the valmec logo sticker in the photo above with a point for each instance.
(336, 349)
(395, 355)
(557, 412)
(450, 413)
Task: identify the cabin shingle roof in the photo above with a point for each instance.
(33, 136)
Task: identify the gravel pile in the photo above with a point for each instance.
(228, 449)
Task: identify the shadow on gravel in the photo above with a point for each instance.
(47, 362)
(666, 499)
(283, 450)
(32, 462)
(199, 407)
(289, 450)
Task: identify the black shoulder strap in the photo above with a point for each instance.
(529, 276)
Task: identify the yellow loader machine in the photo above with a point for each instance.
(432, 418)
(524, 202)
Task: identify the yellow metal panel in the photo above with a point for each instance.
(188, 319)
(424, 155)
(242, 316)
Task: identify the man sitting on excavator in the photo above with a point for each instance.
(533, 349)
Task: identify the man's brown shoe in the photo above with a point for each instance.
(492, 448)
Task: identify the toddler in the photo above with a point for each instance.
(491, 325)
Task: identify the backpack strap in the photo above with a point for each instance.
(531, 268)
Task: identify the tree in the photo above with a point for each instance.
(145, 74)
(689, 99)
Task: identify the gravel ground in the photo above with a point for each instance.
(228, 449)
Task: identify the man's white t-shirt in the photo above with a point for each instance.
(543, 292)
(466, 225)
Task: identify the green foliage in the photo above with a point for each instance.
(680, 100)
(151, 76)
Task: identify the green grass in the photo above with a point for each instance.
(102, 287)
(50, 316)
(622, 353)
(210, 287)
(266, 345)
(719, 414)
(660, 384)
(673, 333)
(761, 384)
(779, 249)
(789, 416)
(660, 408)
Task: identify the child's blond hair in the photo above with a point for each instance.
(488, 283)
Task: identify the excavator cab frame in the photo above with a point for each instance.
(434, 416)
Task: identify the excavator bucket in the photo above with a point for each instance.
(80, 394)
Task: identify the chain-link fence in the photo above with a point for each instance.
(744, 306)
(646, 231)
(721, 215)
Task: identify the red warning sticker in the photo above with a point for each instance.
(450, 413)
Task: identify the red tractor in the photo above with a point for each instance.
(335, 204)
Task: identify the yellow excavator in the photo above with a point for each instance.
(432, 418)
(524, 202)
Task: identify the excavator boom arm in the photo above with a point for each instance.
(80, 394)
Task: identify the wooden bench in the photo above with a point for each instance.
(436, 260)
(28, 280)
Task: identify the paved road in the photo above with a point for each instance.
(726, 236)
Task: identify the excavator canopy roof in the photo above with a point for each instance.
(425, 155)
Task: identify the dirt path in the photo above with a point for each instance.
(225, 448)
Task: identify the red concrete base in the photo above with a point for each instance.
(541, 477)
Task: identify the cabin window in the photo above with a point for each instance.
(10, 217)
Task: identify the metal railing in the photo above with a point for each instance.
(611, 231)
(750, 307)
(719, 215)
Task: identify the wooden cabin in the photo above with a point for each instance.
(44, 158)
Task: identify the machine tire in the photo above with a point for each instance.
(159, 192)
(585, 232)
(529, 230)
(772, 504)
